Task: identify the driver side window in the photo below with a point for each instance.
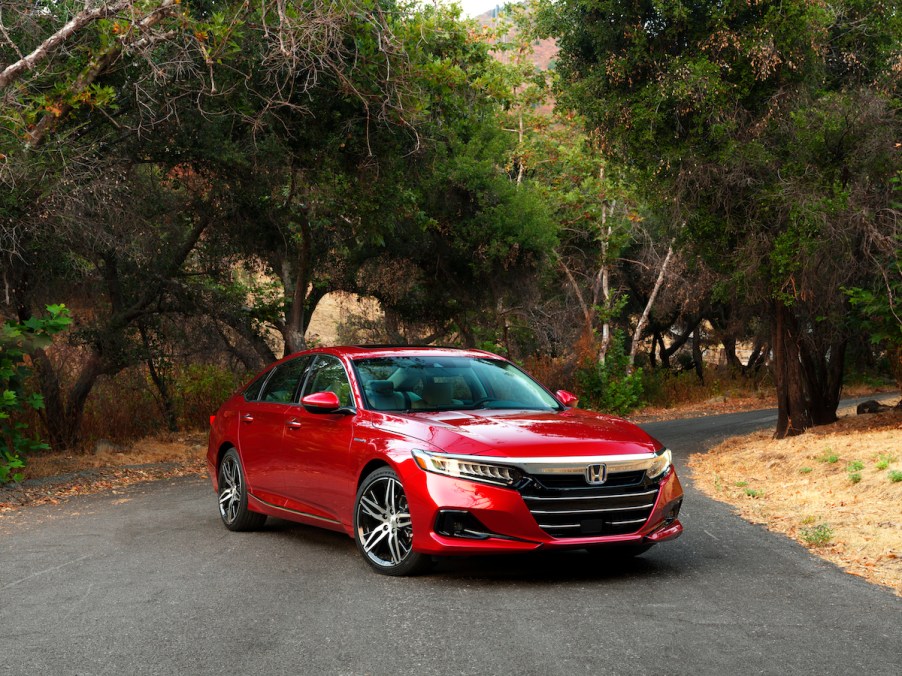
(328, 375)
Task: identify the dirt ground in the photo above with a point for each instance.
(836, 489)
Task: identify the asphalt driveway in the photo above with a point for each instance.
(148, 581)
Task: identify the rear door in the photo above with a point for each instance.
(261, 430)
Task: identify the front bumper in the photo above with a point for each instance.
(508, 524)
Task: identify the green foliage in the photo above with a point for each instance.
(829, 457)
(610, 386)
(884, 460)
(817, 536)
(855, 466)
(754, 493)
(201, 389)
(854, 477)
(895, 476)
(766, 131)
(17, 341)
(806, 470)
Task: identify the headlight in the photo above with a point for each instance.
(660, 464)
(498, 475)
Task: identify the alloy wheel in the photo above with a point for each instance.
(230, 489)
(384, 528)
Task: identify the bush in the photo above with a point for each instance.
(609, 386)
(201, 389)
(17, 340)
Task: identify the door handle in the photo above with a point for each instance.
(293, 424)
(247, 417)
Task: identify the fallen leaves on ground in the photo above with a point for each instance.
(832, 489)
(55, 477)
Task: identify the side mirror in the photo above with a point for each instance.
(321, 402)
(568, 399)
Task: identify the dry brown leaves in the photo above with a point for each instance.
(833, 480)
(54, 478)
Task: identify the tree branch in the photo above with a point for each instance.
(42, 51)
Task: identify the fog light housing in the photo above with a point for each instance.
(457, 523)
(672, 511)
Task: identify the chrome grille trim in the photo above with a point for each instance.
(625, 462)
(588, 497)
(593, 511)
(585, 512)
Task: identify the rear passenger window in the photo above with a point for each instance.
(253, 390)
(282, 385)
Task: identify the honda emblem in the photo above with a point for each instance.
(596, 474)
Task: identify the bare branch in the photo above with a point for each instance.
(42, 51)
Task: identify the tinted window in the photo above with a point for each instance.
(328, 375)
(253, 390)
(283, 383)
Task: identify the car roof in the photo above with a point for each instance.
(372, 351)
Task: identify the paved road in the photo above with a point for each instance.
(149, 582)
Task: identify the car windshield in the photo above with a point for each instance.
(442, 383)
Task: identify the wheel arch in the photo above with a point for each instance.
(223, 447)
(372, 466)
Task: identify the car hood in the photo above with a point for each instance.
(523, 434)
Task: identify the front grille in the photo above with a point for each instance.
(619, 507)
(579, 480)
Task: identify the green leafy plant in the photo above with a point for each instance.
(753, 493)
(805, 470)
(17, 340)
(895, 476)
(817, 536)
(742, 484)
(855, 466)
(610, 386)
(855, 477)
(829, 457)
(884, 460)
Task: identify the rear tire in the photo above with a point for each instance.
(382, 526)
(233, 496)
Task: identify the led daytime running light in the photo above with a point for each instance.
(660, 464)
(467, 469)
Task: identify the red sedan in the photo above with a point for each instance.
(416, 452)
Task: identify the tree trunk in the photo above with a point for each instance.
(808, 384)
(697, 358)
(167, 405)
(640, 326)
(63, 413)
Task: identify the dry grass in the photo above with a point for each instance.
(831, 489)
(52, 478)
(184, 449)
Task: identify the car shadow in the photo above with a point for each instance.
(543, 567)
(537, 567)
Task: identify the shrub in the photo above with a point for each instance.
(895, 476)
(609, 386)
(17, 340)
(201, 389)
(817, 536)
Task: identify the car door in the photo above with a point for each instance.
(320, 475)
(261, 431)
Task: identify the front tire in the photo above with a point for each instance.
(382, 526)
(233, 496)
